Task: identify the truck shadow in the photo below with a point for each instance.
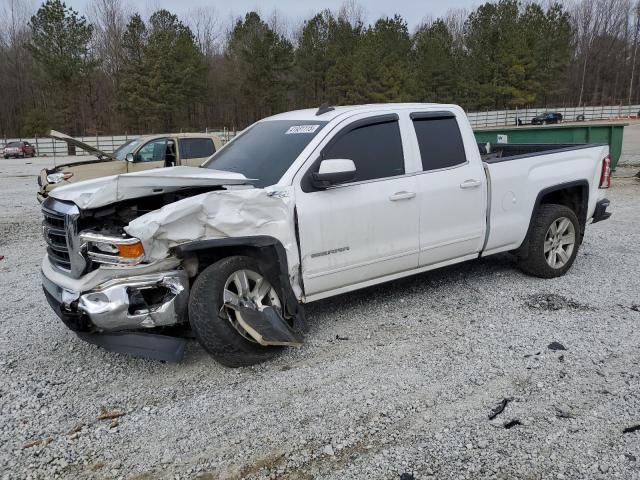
(383, 297)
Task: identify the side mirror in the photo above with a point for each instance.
(129, 158)
(333, 172)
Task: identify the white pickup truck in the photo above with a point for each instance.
(303, 206)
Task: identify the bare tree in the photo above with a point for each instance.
(352, 12)
(599, 27)
(16, 76)
(109, 18)
(455, 20)
(636, 38)
(207, 28)
(284, 26)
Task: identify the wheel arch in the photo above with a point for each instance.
(574, 195)
(266, 250)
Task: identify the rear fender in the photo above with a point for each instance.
(580, 208)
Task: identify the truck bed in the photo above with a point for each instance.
(502, 152)
(514, 187)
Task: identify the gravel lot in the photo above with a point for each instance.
(398, 379)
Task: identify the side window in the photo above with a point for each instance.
(196, 148)
(440, 142)
(154, 151)
(376, 150)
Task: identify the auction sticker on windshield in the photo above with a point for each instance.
(302, 129)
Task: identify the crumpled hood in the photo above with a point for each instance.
(115, 188)
(222, 214)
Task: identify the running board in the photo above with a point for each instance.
(267, 327)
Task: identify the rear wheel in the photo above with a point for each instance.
(217, 324)
(553, 242)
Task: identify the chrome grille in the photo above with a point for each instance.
(59, 228)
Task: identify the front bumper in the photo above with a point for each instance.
(600, 213)
(129, 303)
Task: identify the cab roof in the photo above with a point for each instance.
(311, 114)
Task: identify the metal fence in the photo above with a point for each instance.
(501, 118)
(48, 147)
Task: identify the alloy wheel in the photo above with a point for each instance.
(559, 242)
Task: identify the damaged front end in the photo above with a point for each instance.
(119, 273)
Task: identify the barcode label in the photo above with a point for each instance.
(301, 129)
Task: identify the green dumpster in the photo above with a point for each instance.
(609, 133)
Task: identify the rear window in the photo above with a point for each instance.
(196, 148)
(440, 142)
(13, 144)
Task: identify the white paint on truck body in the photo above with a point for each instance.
(360, 233)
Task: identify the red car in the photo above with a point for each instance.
(19, 149)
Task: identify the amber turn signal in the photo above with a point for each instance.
(132, 250)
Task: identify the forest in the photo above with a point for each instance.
(115, 70)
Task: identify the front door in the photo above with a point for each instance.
(366, 229)
(153, 154)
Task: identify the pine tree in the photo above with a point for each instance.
(60, 40)
(382, 66)
(260, 61)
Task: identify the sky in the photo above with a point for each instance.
(413, 11)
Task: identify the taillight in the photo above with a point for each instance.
(605, 175)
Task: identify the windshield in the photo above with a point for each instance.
(266, 150)
(13, 144)
(128, 147)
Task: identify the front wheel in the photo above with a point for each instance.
(216, 324)
(553, 242)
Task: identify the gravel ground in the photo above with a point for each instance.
(398, 379)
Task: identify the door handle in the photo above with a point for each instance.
(402, 196)
(471, 183)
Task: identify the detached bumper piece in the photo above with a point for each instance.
(139, 344)
(600, 212)
(106, 315)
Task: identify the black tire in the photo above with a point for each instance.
(6, 157)
(215, 333)
(532, 258)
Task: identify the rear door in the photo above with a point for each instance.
(194, 151)
(452, 190)
(366, 229)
